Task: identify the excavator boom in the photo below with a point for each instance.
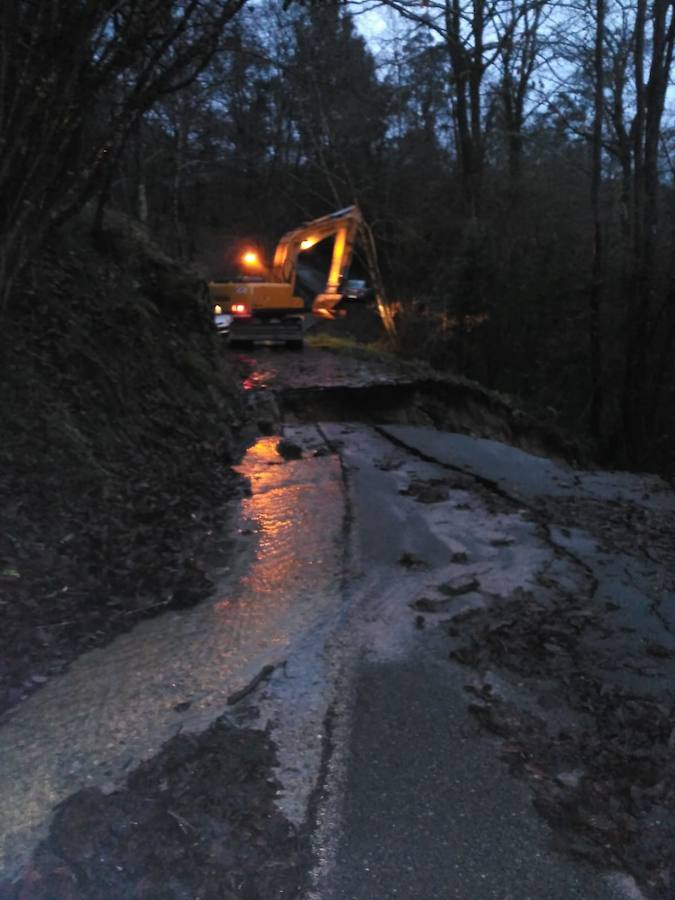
(344, 224)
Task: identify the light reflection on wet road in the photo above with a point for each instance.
(116, 705)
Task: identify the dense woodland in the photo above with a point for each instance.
(514, 159)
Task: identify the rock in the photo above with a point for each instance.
(653, 648)
(426, 604)
(289, 449)
(570, 779)
(459, 586)
(186, 596)
(410, 561)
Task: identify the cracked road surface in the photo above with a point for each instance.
(363, 553)
(419, 804)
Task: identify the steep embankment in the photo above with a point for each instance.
(119, 417)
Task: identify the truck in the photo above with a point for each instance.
(263, 300)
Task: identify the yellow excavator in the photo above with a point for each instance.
(263, 302)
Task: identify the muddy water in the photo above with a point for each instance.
(118, 705)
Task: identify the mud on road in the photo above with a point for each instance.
(197, 820)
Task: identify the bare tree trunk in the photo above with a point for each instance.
(519, 55)
(649, 105)
(74, 79)
(177, 187)
(597, 264)
(384, 307)
(141, 184)
(465, 80)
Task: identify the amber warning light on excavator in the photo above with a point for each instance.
(250, 259)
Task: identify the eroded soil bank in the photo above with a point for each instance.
(343, 382)
(120, 419)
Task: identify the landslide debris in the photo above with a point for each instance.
(198, 820)
(119, 419)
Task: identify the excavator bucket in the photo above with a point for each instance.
(324, 305)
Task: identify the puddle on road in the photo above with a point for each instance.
(117, 705)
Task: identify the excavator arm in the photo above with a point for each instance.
(344, 224)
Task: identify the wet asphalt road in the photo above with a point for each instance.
(413, 801)
(429, 812)
(420, 803)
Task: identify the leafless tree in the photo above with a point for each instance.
(653, 42)
(596, 183)
(74, 80)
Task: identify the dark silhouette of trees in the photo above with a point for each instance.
(514, 159)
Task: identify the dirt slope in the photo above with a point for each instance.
(119, 419)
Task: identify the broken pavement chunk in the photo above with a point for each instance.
(502, 541)
(426, 604)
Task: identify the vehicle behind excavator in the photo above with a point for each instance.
(264, 301)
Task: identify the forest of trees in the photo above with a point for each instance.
(514, 159)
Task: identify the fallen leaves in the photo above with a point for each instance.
(607, 785)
